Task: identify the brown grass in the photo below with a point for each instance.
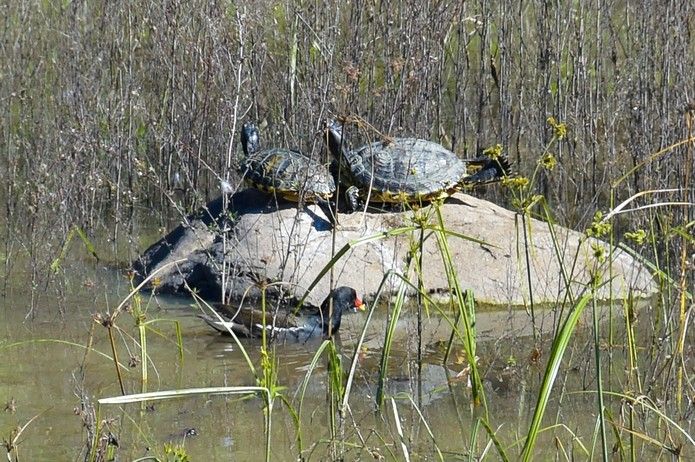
(110, 107)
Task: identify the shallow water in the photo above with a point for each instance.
(41, 375)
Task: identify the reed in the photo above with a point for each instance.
(112, 112)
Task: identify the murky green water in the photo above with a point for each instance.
(41, 376)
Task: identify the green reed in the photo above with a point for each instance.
(483, 434)
(162, 101)
(265, 373)
(462, 322)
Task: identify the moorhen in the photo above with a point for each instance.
(247, 321)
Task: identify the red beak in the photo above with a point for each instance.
(359, 304)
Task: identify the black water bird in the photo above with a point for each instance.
(248, 322)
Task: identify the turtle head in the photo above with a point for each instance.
(250, 142)
(345, 300)
(334, 138)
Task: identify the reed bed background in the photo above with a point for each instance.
(112, 107)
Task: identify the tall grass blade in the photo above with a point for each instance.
(556, 353)
(55, 265)
(655, 268)
(427, 428)
(349, 246)
(143, 357)
(650, 159)
(305, 383)
(388, 343)
(206, 307)
(646, 402)
(493, 437)
(399, 430)
(467, 313)
(601, 416)
(184, 393)
(360, 342)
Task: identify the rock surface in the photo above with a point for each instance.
(270, 242)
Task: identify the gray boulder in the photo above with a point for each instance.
(252, 240)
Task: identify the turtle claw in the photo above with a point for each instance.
(352, 195)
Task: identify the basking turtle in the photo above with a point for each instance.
(249, 321)
(285, 172)
(407, 170)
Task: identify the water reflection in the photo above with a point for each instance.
(42, 374)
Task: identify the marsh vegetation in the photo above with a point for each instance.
(120, 118)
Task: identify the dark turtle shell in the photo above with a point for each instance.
(284, 172)
(402, 170)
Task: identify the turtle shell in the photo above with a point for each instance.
(407, 169)
(285, 172)
(402, 170)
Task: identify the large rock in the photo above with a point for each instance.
(266, 242)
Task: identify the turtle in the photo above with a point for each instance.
(313, 322)
(287, 173)
(407, 170)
